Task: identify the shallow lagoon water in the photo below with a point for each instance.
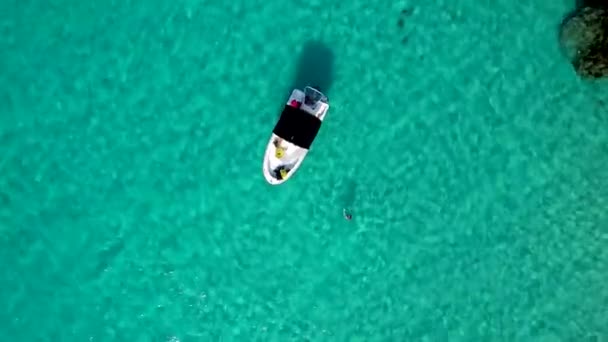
(133, 206)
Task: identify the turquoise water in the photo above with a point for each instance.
(133, 206)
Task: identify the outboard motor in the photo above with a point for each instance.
(312, 96)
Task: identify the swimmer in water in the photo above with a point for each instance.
(347, 215)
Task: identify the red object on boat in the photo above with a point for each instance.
(295, 104)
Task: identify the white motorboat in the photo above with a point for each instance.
(294, 133)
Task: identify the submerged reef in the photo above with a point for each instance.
(584, 39)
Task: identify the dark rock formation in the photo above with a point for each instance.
(584, 39)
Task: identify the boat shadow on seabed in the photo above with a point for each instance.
(315, 68)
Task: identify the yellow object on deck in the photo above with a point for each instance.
(280, 152)
(283, 173)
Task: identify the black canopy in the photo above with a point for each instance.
(297, 126)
